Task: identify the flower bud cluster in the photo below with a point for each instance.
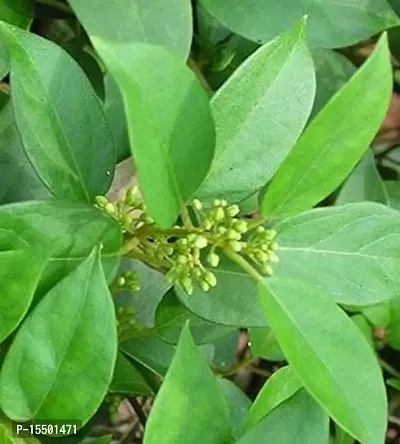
(130, 212)
(187, 253)
(125, 319)
(129, 280)
(261, 249)
(186, 266)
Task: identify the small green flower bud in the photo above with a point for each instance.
(222, 230)
(210, 278)
(109, 208)
(224, 203)
(204, 286)
(219, 214)
(235, 245)
(232, 234)
(260, 229)
(121, 281)
(271, 234)
(267, 269)
(182, 259)
(233, 210)
(197, 204)
(216, 203)
(273, 257)
(101, 201)
(197, 272)
(274, 246)
(187, 285)
(207, 224)
(262, 256)
(241, 226)
(200, 242)
(213, 259)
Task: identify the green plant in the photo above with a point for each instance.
(260, 208)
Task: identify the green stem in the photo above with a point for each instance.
(236, 367)
(256, 221)
(244, 265)
(56, 5)
(186, 218)
(389, 369)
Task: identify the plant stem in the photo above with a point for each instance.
(237, 367)
(244, 265)
(389, 369)
(138, 409)
(56, 5)
(187, 221)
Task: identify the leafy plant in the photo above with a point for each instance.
(258, 211)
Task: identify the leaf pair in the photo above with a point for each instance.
(61, 361)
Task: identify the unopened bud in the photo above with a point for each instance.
(121, 281)
(216, 203)
(219, 214)
(233, 234)
(241, 226)
(197, 204)
(213, 259)
(233, 210)
(204, 286)
(235, 245)
(187, 285)
(109, 208)
(262, 256)
(101, 201)
(273, 257)
(200, 242)
(210, 278)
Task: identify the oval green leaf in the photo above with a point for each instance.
(282, 385)
(321, 344)
(170, 125)
(55, 368)
(63, 129)
(351, 252)
(68, 230)
(335, 140)
(332, 23)
(298, 420)
(18, 180)
(18, 13)
(190, 406)
(159, 22)
(259, 113)
(20, 272)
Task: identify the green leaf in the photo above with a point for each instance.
(63, 129)
(56, 368)
(335, 140)
(321, 343)
(379, 314)
(190, 406)
(365, 328)
(151, 352)
(299, 419)
(395, 383)
(263, 344)
(364, 184)
(167, 24)
(333, 70)
(128, 380)
(115, 115)
(20, 272)
(393, 193)
(392, 332)
(180, 138)
(332, 24)
(68, 230)
(144, 302)
(16, 12)
(172, 315)
(282, 385)
(232, 302)
(350, 252)
(18, 180)
(238, 403)
(259, 113)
